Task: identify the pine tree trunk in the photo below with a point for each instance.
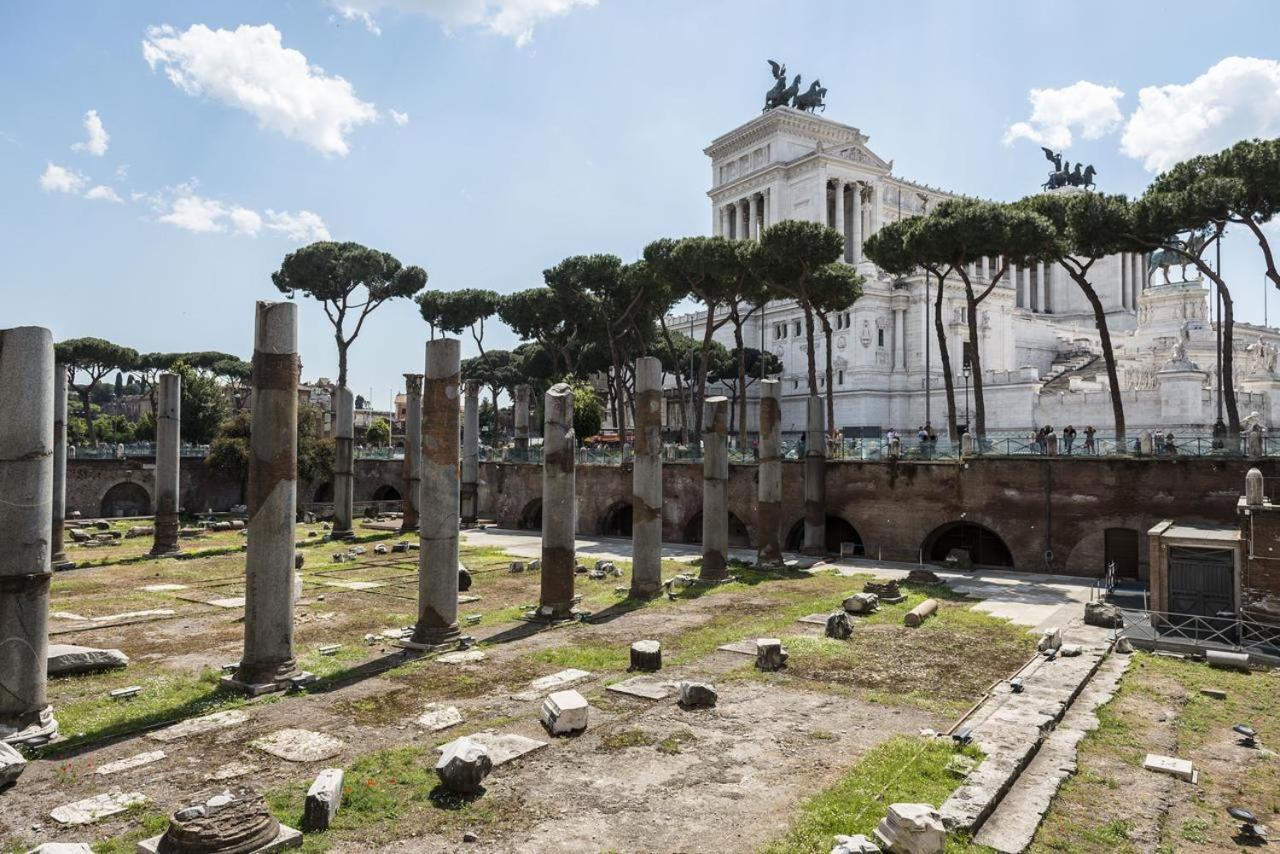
(1108, 353)
(975, 362)
(945, 357)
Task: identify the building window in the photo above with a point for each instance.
(879, 337)
(795, 384)
(848, 321)
(840, 377)
(796, 325)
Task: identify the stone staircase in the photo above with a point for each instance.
(1077, 363)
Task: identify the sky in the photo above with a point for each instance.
(158, 160)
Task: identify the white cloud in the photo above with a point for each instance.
(1239, 98)
(104, 194)
(399, 118)
(122, 171)
(1087, 107)
(514, 19)
(60, 179)
(301, 227)
(250, 69)
(182, 206)
(194, 213)
(96, 143)
(245, 221)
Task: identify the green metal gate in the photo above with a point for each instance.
(1201, 581)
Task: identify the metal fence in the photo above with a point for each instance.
(1193, 633)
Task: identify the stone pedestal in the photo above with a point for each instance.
(715, 484)
(912, 829)
(26, 485)
(470, 450)
(234, 819)
(343, 465)
(58, 558)
(268, 663)
(815, 480)
(646, 481)
(438, 520)
(168, 448)
(522, 417)
(412, 452)
(559, 505)
(565, 712)
(646, 656)
(1181, 394)
(769, 488)
(463, 765)
(770, 655)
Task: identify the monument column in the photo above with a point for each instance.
(268, 663)
(470, 449)
(522, 417)
(412, 451)
(26, 479)
(898, 355)
(839, 203)
(59, 557)
(646, 481)
(1020, 282)
(168, 437)
(815, 486)
(438, 518)
(744, 214)
(877, 200)
(767, 196)
(344, 465)
(753, 228)
(715, 485)
(559, 505)
(769, 488)
(856, 214)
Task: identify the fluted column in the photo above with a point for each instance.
(344, 465)
(744, 215)
(769, 487)
(26, 486)
(839, 212)
(715, 489)
(268, 663)
(856, 214)
(470, 450)
(168, 438)
(438, 517)
(753, 228)
(59, 557)
(898, 334)
(877, 205)
(815, 474)
(412, 471)
(1023, 279)
(646, 481)
(559, 505)
(522, 417)
(1042, 286)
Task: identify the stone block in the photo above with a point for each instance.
(643, 687)
(912, 829)
(286, 837)
(856, 844)
(437, 717)
(464, 656)
(838, 626)
(923, 576)
(463, 765)
(646, 655)
(565, 712)
(862, 603)
(1103, 615)
(1227, 659)
(323, 799)
(130, 762)
(883, 589)
(1070, 650)
(770, 655)
(299, 559)
(697, 695)
(1180, 768)
(299, 745)
(1214, 693)
(62, 848)
(67, 659)
(101, 806)
(12, 764)
(1050, 639)
(201, 725)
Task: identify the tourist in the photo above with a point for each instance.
(800, 448)
(1169, 447)
(1089, 446)
(1068, 438)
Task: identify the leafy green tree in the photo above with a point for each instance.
(739, 371)
(335, 273)
(229, 450)
(92, 358)
(378, 433)
(588, 411)
(454, 311)
(496, 370)
(832, 289)
(549, 317)
(204, 405)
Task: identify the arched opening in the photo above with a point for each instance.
(126, 499)
(616, 521)
(531, 516)
(324, 493)
(1120, 547)
(386, 492)
(837, 531)
(739, 535)
(984, 545)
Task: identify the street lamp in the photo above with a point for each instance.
(966, 396)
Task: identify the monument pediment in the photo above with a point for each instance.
(832, 137)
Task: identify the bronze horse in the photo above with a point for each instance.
(812, 99)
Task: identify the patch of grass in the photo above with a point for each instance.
(585, 656)
(1193, 830)
(623, 739)
(674, 742)
(1114, 833)
(902, 769)
(821, 735)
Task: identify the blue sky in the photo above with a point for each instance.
(535, 129)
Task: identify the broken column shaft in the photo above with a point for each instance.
(268, 663)
(412, 451)
(559, 504)
(815, 480)
(470, 449)
(715, 488)
(646, 481)
(168, 436)
(522, 417)
(59, 554)
(438, 516)
(769, 488)
(343, 464)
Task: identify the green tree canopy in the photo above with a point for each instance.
(454, 311)
(204, 404)
(91, 359)
(378, 433)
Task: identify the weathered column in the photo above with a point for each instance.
(815, 484)
(168, 437)
(26, 486)
(715, 489)
(268, 663)
(470, 449)
(344, 465)
(438, 522)
(753, 227)
(646, 481)
(839, 215)
(58, 559)
(899, 327)
(856, 214)
(522, 417)
(769, 488)
(559, 505)
(1042, 287)
(412, 451)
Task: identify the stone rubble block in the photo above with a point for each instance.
(101, 806)
(130, 762)
(1227, 659)
(561, 679)
(67, 659)
(1180, 768)
(62, 848)
(565, 712)
(1050, 639)
(463, 765)
(299, 745)
(12, 764)
(1103, 615)
(504, 747)
(770, 655)
(646, 655)
(862, 603)
(838, 626)
(436, 717)
(912, 829)
(201, 725)
(463, 656)
(857, 844)
(697, 695)
(643, 687)
(323, 799)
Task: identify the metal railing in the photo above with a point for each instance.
(131, 449)
(1194, 633)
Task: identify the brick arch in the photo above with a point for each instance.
(986, 546)
(839, 530)
(531, 516)
(739, 532)
(616, 521)
(126, 498)
(386, 492)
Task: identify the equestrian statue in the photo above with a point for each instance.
(782, 95)
(1062, 174)
(1178, 255)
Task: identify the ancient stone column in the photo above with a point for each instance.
(343, 465)
(559, 504)
(715, 489)
(522, 417)
(646, 481)
(268, 663)
(815, 480)
(412, 451)
(168, 436)
(769, 488)
(59, 557)
(470, 449)
(438, 518)
(26, 486)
